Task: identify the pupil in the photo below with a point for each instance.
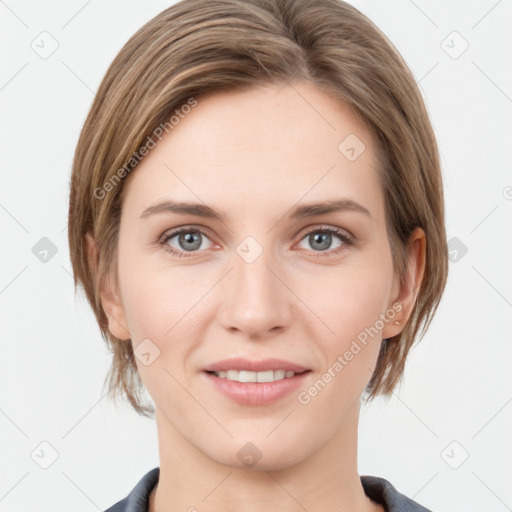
(191, 240)
(323, 238)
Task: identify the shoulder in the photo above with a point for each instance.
(383, 492)
(138, 499)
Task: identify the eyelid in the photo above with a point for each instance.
(324, 227)
(344, 235)
(170, 233)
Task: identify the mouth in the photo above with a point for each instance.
(250, 382)
(251, 376)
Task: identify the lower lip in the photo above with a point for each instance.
(257, 393)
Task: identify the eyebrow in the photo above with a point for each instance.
(299, 212)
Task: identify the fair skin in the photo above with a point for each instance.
(254, 156)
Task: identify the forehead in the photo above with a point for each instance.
(278, 144)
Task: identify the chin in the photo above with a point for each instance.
(258, 455)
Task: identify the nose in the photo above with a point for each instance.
(257, 301)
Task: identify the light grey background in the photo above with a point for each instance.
(456, 398)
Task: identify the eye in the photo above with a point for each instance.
(321, 240)
(187, 240)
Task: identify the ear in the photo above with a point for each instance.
(406, 296)
(110, 302)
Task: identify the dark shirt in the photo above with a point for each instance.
(376, 488)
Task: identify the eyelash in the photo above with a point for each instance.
(347, 240)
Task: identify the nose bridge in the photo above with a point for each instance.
(255, 299)
(252, 277)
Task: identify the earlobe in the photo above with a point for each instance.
(416, 254)
(110, 302)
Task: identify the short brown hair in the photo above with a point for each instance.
(203, 46)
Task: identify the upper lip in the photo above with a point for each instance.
(255, 366)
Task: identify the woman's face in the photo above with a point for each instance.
(255, 275)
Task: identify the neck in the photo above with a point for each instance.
(326, 480)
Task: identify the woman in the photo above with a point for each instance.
(257, 219)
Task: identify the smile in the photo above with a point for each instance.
(248, 376)
(243, 386)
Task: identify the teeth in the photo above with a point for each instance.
(247, 376)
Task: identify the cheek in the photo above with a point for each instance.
(353, 299)
(163, 304)
(352, 305)
(159, 299)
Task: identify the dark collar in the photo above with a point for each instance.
(376, 488)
